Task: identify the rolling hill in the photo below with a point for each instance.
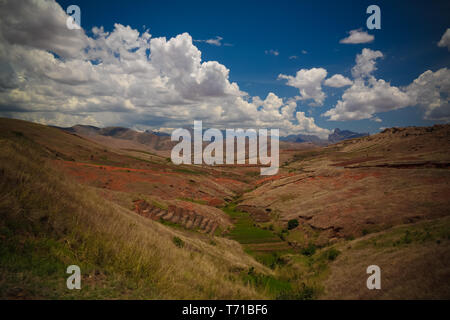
(141, 227)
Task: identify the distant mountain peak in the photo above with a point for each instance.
(339, 135)
(300, 138)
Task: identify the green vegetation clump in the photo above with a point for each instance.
(309, 250)
(305, 292)
(271, 259)
(178, 242)
(292, 224)
(266, 282)
(331, 254)
(245, 230)
(282, 234)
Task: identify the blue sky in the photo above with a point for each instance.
(409, 33)
(251, 31)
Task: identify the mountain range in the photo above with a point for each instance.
(161, 140)
(337, 136)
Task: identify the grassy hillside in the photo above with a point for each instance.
(414, 261)
(49, 222)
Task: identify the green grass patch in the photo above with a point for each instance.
(270, 259)
(266, 282)
(405, 235)
(245, 231)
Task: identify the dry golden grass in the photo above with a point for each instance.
(418, 272)
(414, 262)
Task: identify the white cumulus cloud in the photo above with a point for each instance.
(431, 91)
(368, 95)
(338, 81)
(357, 36)
(365, 63)
(309, 83)
(54, 75)
(445, 40)
(365, 98)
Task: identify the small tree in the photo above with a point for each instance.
(292, 224)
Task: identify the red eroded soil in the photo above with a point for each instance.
(164, 184)
(114, 178)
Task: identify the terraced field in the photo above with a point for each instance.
(190, 219)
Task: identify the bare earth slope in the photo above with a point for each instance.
(363, 185)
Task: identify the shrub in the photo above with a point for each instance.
(305, 292)
(251, 270)
(332, 254)
(407, 238)
(293, 223)
(178, 242)
(273, 260)
(309, 250)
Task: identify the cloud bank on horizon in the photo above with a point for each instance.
(53, 75)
